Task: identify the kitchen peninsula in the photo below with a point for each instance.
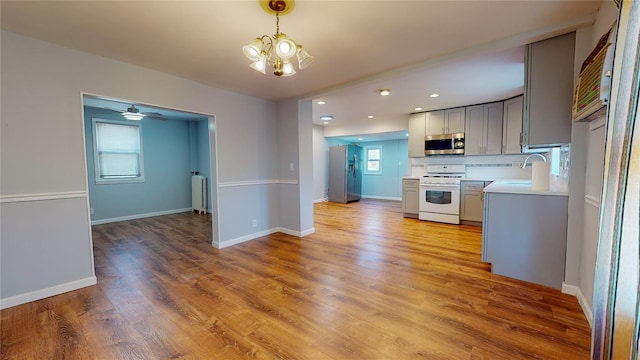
(525, 232)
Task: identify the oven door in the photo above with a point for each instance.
(440, 199)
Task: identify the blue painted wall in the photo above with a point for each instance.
(168, 160)
(388, 185)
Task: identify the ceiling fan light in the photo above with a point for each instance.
(287, 69)
(285, 47)
(132, 116)
(253, 50)
(132, 113)
(304, 58)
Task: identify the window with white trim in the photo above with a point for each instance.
(117, 151)
(373, 163)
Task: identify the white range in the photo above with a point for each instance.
(440, 193)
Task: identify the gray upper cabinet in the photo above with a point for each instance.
(449, 121)
(435, 123)
(454, 120)
(548, 92)
(416, 134)
(512, 125)
(483, 129)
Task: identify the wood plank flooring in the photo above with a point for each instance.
(368, 284)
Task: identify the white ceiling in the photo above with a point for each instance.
(468, 51)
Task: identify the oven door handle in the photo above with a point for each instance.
(439, 187)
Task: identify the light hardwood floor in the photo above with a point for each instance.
(368, 284)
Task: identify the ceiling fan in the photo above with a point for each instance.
(132, 113)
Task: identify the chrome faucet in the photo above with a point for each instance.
(524, 164)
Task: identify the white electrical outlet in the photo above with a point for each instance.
(290, 166)
(254, 223)
(91, 210)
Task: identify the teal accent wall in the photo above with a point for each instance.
(395, 157)
(395, 154)
(170, 154)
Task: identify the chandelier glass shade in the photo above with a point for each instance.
(276, 51)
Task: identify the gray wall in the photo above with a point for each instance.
(586, 161)
(320, 164)
(43, 159)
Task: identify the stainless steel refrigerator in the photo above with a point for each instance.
(345, 173)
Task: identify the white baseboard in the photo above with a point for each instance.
(584, 304)
(242, 239)
(139, 216)
(297, 233)
(245, 238)
(46, 292)
(381, 197)
(320, 200)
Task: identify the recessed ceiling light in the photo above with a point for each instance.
(370, 117)
(321, 102)
(326, 117)
(434, 95)
(385, 92)
(418, 109)
(326, 123)
(360, 139)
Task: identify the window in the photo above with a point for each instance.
(117, 151)
(374, 160)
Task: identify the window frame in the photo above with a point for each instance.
(366, 160)
(96, 156)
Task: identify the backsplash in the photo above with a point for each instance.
(560, 181)
(482, 167)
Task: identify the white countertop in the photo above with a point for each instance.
(519, 186)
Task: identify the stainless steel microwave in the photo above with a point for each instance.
(444, 144)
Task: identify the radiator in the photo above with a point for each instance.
(199, 194)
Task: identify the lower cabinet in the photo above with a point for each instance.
(410, 205)
(471, 201)
(524, 236)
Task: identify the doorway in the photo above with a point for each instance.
(140, 159)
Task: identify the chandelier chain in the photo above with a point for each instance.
(277, 22)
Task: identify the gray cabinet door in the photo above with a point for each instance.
(410, 200)
(417, 132)
(512, 125)
(435, 123)
(549, 92)
(493, 128)
(454, 120)
(474, 135)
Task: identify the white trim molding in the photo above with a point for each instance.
(324, 199)
(42, 196)
(139, 216)
(46, 292)
(253, 236)
(257, 182)
(381, 197)
(584, 304)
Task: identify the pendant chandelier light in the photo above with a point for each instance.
(277, 50)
